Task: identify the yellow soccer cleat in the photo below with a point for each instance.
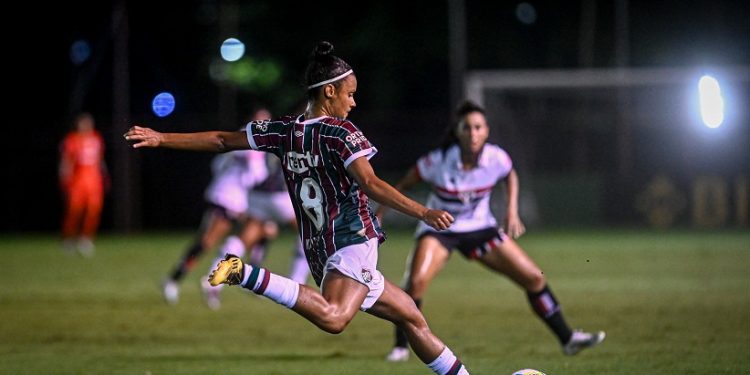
(229, 271)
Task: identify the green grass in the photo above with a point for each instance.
(671, 303)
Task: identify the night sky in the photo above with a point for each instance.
(398, 49)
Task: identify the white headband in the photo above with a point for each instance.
(334, 79)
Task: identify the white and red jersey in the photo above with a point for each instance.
(234, 173)
(465, 193)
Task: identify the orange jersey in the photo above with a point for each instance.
(83, 152)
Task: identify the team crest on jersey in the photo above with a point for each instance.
(366, 275)
(261, 125)
(298, 133)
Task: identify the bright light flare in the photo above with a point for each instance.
(232, 49)
(711, 101)
(163, 104)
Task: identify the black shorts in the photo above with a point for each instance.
(472, 245)
(215, 209)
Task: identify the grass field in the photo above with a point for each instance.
(671, 303)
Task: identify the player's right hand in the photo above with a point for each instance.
(438, 219)
(143, 137)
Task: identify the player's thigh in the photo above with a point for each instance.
(252, 232)
(510, 260)
(425, 262)
(343, 294)
(216, 227)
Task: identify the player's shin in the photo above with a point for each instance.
(546, 307)
(277, 288)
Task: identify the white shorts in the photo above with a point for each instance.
(360, 262)
(229, 195)
(270, 206)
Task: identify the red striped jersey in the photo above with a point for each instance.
(465, 193)
(331, 209)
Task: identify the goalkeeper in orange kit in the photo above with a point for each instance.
(83, 175)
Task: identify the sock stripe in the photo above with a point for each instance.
(253, 278)
(454, 369)
(264, 283)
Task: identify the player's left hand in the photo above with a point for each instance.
(143, 137)
(515, 227)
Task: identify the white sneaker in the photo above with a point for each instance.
(171, 291)
(398, 354)
(582, 340)
(85, 247)
(210, 294)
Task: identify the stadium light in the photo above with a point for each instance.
(711, 101)
(163, 104)
(232, 49)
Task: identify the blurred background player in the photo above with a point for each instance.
(83, 175)
(462, 173)
(268, 207)
(234, 173)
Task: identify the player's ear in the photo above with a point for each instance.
(329, 90)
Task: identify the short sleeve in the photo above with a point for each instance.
(504, 163)
(265, 135)
(428, 165)
(352, 144)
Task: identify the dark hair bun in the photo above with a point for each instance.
(468, 107)
(322, 50)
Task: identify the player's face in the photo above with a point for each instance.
(472, 132)
(343, 100)
(85, 124)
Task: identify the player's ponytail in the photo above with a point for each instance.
(324, 68)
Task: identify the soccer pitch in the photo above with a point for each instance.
(670, 302)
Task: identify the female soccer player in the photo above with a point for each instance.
(227, 198)
(325, 160)
(83, 174)
(462, 173)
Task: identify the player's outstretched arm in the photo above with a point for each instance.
(385, 194)
(214, 141)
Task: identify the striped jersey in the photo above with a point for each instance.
(331, 208)
(464, 193)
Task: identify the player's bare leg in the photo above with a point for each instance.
(510, 260)
(214, 226)
(398, 307)
(335, 306)
(424, 263)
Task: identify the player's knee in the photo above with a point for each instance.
(413, 323)
(535, 281)
(335, 321)
(412, 317)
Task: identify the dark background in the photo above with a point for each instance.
(399, 50)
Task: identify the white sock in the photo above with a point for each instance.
(447, 364)
(232, 245)
(278, 288)
(299, 270)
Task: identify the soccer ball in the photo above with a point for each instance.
(528, 371)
